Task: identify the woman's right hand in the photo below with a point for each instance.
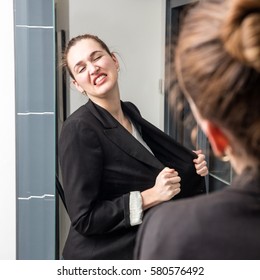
(167, 185)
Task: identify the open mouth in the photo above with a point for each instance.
(99, 80)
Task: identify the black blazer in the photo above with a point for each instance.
(224, 225)
(101, 163)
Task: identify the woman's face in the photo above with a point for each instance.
(95, 71)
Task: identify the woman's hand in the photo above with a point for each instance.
(167, 185)
(200, 163)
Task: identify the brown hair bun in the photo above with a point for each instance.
(241, 32)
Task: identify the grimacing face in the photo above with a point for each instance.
(95, 71)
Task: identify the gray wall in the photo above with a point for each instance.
(35, 128)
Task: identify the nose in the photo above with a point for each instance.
(93, 69)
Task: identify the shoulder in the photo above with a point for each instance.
(198, 209)
(81, 118)
(179, 229)
(176, 225)
(79, 114)
(79, 128)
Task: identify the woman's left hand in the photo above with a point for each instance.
(200, 163)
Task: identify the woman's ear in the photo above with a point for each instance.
(218, 140)
(115, 60)
(78, 87)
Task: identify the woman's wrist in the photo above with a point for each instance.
(149, 199)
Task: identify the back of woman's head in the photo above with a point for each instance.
(218, 65)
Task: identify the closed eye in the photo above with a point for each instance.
(81, 69)
(97, 58)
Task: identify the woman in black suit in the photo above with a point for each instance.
(218, 68)
(115, 165)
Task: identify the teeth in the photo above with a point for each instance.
(99, 79)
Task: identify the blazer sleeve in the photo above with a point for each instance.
(81, 161)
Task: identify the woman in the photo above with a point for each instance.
(114, 164)
(218, 69)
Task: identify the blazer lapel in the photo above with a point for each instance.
(122, 138)
(157, 138)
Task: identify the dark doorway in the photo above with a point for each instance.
(179, 121)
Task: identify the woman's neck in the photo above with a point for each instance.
(113, 105)
(242, 161)
(109, 101)
(115, 109)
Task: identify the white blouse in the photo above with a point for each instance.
(136, 202)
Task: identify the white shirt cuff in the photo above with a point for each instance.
(135, 208)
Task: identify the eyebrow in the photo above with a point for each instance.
(90, 56)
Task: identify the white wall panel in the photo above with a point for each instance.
(7, 139)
